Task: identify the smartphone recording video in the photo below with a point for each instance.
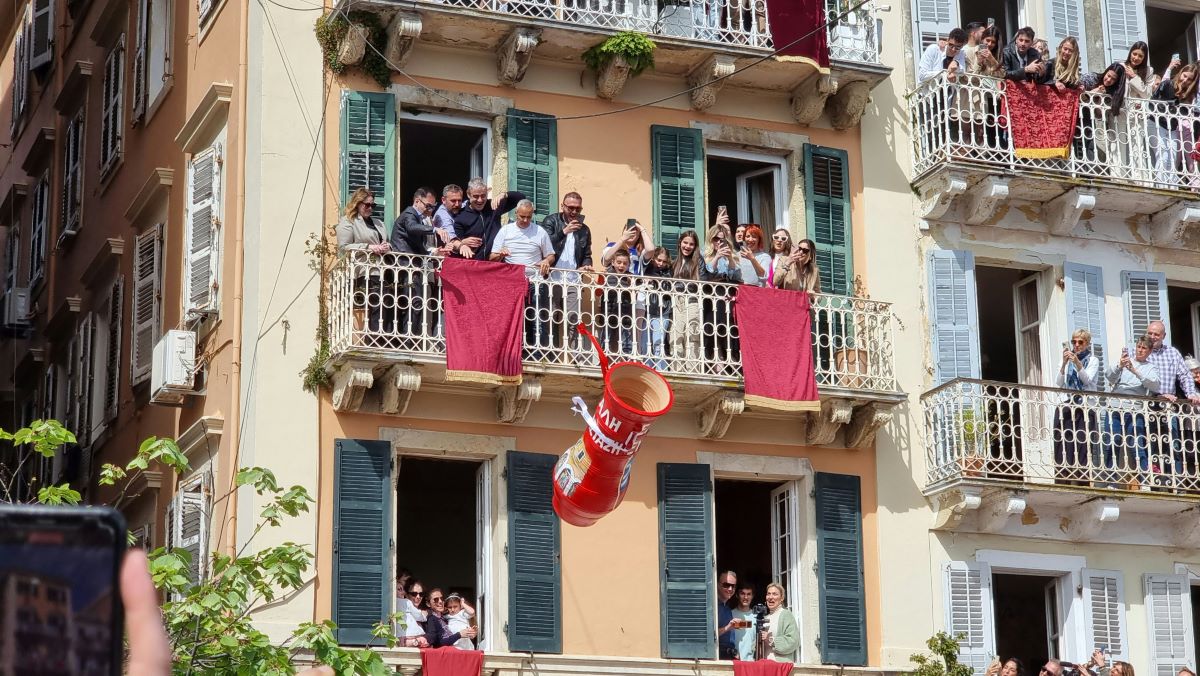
(59, 603)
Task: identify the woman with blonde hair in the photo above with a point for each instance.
(798, 270)
(360, 230)
(1174, 141)
(1063, 70)
(1096, 667)
(1075, 420)
(781, 636)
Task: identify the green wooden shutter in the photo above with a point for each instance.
(827, 203)
(840, 570)
(677, 164)
(534, 564)
(688, 579)
(369, 149)
(533, 159)
(362, 537)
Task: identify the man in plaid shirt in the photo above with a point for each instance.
(1171, 369)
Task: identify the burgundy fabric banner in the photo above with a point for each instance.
(450, 661)
(484, 303)
(761, 668)
(1041, 118)
(775, 329)
(792, 19)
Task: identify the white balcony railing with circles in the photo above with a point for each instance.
(390, 305)
(978, 430)
(965, 122)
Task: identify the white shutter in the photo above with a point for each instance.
(112, 358)
(969, 615)
(142, 537)
(954, 323)
(190, 524)
(141, 47)
(1085, 305)
(1104, 607)
(114, 92)
(73, 175)
(37, 235)
(205, 8)
(934, 19)
(1145, 302)
(1065, 18)
(20, 83)
(84, 368)
(71, 411)
(202, 231)
(1124, 24)
(1169, 609)
(146, 302)
(41, 49)
(785, 549)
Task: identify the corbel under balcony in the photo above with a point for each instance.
(823, 425)
(1169, 226)
(1084, 522)
(40, 152)
(1187, 528)
(402, 35)
(808, 99)
(715, 413)
(708, 78)
(985, 511)
(984, 199)
(513, 401)
(515, 53)
(1062, 213)
(74, 88)
(856, 79)
(353, 378)
(938, 194)
(103, 261)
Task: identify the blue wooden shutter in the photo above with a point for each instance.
(677, 165)
(953, 315)
(688, 577)
(534, 565)
(1085, 305)
(533, 159)
(362, 537)
(369, 149)
(1145, 302)
(827, 200)
(840, 570)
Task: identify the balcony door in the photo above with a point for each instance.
(752, 186)
(1028, 315)
(437, 150)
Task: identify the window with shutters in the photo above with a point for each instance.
(534, 550)
(72, 195)
(369, 149)
(41, 46)
(677, 167)
(145, 315)
(827, 204)
(1085, 305)
(1104, 608)
(189, 516)
(202, 258)
(953, 315)
(205, 9)
(142, 537)
(533, 159)
(1124, 24)
(12, 253)
(37, 234)
(107, 359)
(933, 19)
(152, 62)
(840, 569)
(362, 556)
(112, 107)
(439, 150)
(687, 576)
(141, 45)
(967, 597)
(20, 82)
(1065, 19)
(1169, 617)
(79, 412)
(1145, 301)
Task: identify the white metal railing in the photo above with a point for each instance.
(731, 22)
(853, 33)
(982, 430)
(390, 304)
(1149, 143)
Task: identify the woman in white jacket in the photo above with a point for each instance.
(1139, 86)
(1075, 426)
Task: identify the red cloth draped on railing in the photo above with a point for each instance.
(793, 19)
(450, 661)
(761, 668)
(775, 330)
(485, 312)
(1041, 118)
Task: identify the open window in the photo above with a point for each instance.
(437, 150)
(756, 528)
(750, 185)
(1170, 31)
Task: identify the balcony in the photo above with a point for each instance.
(378, 369)
(705, 42)
(1044, 462)
(965, 169)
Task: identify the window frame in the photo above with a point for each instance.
(112, 115)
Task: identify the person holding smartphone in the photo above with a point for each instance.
(755, 263)
(721, 264)
(572, 242)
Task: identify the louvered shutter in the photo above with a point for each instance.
(1104, 605)
(113, 92)
(954, 323)
(112, 360)
(967, 594)
(37, 239)
(827, 203)
(20, 83)
(49, 393)
(1124, 24)
(1085, 305)
(41, 50)
(677, 166)
(72, 197)
(84, 372)
(362, 537)
(688, 575)
(141, 49)
(193, 528)
(11, 252)
(840, 569)
(142, 537)
(533, 159)
(934, 19)
(1169, 609)
(72, 385)
(147, 264)
(1145, 302)
(369, 149)
(203, 199)
(1065, 18)
(205, 8)
(534, 556)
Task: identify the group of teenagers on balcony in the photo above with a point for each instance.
(1147, 444)
(642, 300)
(1143, 121)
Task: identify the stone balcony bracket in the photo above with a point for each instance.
(397, 387)
(394, 385)
(1062, 213)
(1187, 528)
(515, 53)
(351, 381)
(354, 45)
(823, 425)
(808, 100)
(1085, 521)
(955, 506)
(866, 421)
(1170, 226)
(847, 105)
(402, 35)
(715, 413)
(977, 509)
(938, 195)
(708, 78)
(984, 199)
(513, 401)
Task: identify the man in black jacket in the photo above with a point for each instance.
(481, 218)
(412, 233)
(1021, 61)
(414, 225)
(572, 241)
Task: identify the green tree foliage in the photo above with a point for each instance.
(943, 662)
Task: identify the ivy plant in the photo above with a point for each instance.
(635, 48)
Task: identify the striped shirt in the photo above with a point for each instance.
(1172, 370)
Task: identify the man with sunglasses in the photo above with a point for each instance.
(414, 225)
(726, 586)
(413, 232)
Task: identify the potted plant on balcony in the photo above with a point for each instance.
(973, 430)
(851, 359)
(624, 55)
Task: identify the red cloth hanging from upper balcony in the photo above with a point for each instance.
(450, 661)
(484, 304)
(775, 331)
(1041, 118)
(794, 19)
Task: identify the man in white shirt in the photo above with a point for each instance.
(950, 58)
(524, 242)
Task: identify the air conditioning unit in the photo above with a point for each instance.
(173, 372)
(16, 306)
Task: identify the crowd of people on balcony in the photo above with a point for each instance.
(1147, 122)
(646, 299)
(749, 631)
(432, 619)
(1124, 441)
(1099, 664)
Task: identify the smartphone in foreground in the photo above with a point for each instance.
(630, 223)
(59, 596)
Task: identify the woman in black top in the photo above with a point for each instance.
(1174, 97)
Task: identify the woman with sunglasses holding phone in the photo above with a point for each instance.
(360, 229)
(721, 264)
(414, 615)
(798, 270)
(1074, 421)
